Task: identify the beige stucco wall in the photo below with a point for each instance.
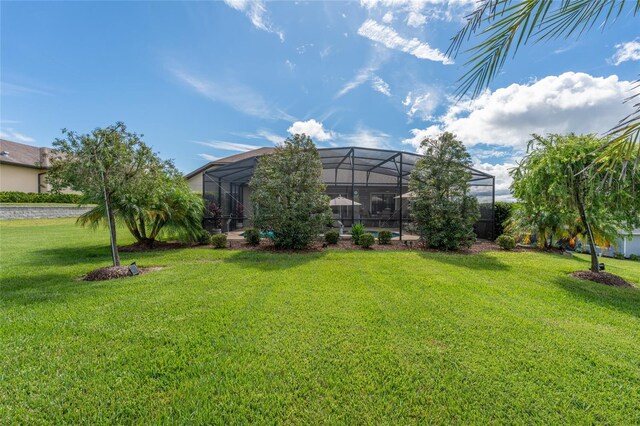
(195, 183)
(16, 178)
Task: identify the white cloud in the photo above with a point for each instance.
(416, 19)
(256, 11)
(9, 89)
(271, 137)
(422, 105)
(228, 146)
(325, 52)
(629, 51)
(13, 136)
(290, 64)
(389, 38)
(570, 102)
(387, 18)
(237, 96)
(311, 128)
(208, 157)
(379, 85)
(365, 137)
(503, 179)
(363, 75)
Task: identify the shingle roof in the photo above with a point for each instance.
(231, 159)
(24, 155)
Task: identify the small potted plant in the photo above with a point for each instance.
(213, 218)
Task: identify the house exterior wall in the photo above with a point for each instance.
(632, 245)
(195, 183)
(21, 179)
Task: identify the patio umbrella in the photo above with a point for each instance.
(340, 201)
(409, 194)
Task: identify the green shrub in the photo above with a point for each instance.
(634, 257)
(252, 236)
(618, 255)
(384, 237)
(219, 241)
(366, 240)
(332, 237)
(33, 197)
(357, 231)
(502, 214)
(204, 237)
(506, 242)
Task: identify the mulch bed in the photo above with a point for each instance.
(111, 272)
(265, 245)
(157, 246)
(602, 278)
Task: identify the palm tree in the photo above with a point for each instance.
(504, 25)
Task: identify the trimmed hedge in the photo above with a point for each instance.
(384, 237)
(219, 241)
(506, 242)
(332, 237)
(33, 197)
(252, 236)
(366, 241)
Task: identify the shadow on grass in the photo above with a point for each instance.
(41, 288)
(272, 261)
(65, 256)
(626, 300)
(480, 261)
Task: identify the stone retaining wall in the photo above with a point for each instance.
(41, 212)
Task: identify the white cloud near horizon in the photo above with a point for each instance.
(237, 96)
(312, 128)
(570, 102)
(629, 51)
(389, 38)
(256, 11)
(10, 134)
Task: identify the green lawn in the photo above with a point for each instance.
(335, 337)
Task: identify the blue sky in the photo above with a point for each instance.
(203, 80)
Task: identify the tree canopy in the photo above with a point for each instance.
(288, 195)
(559, 195)
(443, 210)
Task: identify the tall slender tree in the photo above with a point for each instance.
(549, 183)
(442, 209)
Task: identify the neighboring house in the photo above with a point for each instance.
(628, 245)
(23, 168)
(374, 183)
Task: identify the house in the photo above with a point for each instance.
(629, 244)
(23, 168)
(373, 181)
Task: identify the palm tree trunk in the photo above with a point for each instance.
(592, 244)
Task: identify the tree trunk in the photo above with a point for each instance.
(112, 222)
(592, 244)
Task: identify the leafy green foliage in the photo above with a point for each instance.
(560, 196)
(443, 210)
(219, 241)
(380, 328)
(366, 240)
(288, 195)
(332, 237)
(34, 197)
(384, 237)
(506, 242)
(505, 25)
(357, 230)
(502, 214)
(252, 236)
(118, 172)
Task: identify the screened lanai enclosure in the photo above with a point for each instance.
(368, 186)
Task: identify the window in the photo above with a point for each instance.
(381, 203)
